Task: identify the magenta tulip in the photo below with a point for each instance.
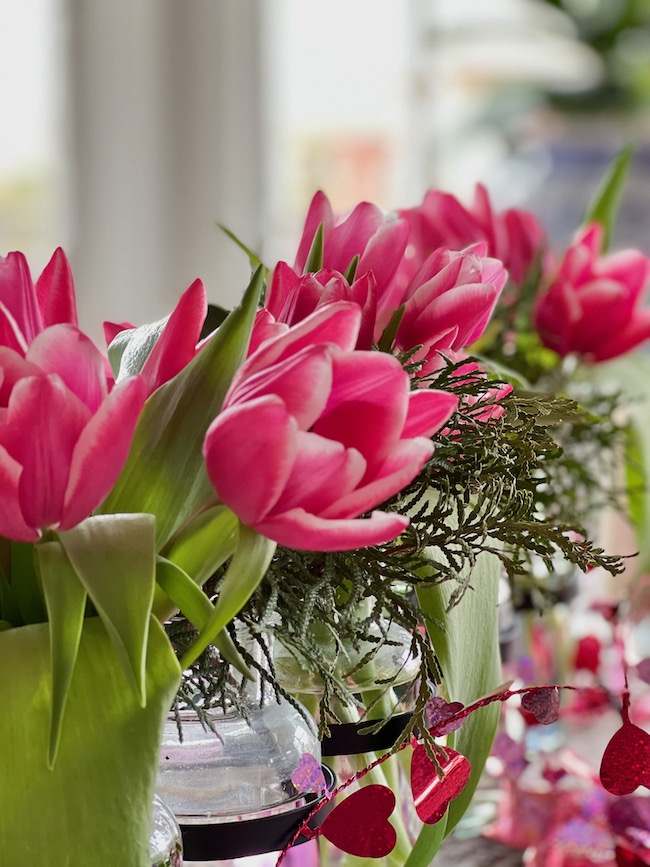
(63, 439)
(592, 304)
(179, 340)
(26, 309)
(291, 297)
(378, 240)
(513, 236)
(313, 434)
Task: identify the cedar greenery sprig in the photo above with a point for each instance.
(504, 479)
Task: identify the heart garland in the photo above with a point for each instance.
(626, 761)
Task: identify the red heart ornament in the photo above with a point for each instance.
(359, 825)
(431, 793)
(626, 761)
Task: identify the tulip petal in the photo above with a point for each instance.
(101, 451)
(367, 405)
(176, 346)
(44, 420)
(636, 331)
(384, 252)
(323, 472)
(320, 211)
(66, 351)
(18, 296)
(469, 307)
(400, 468)
(13, 367)
(350, 237)
(428, 411)
(249, 452)
(55, 291)
(12, 523)
(264, 328)
(303, 383)
(336, 323)
(304, 532)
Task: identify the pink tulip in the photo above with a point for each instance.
(448, 303)
(513, 236)
(313, 434)
(378, 240)
(26, 309)
(63, 439)
(179, 339)
(592, 305)
(291, 297)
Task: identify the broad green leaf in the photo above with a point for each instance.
(315, 258)
(245, 571)
(427, 844)
(199, 549)
(630, 375)
(65, 598)
(114, 557)
(604, 205)
(94, 807)
(197, 608)
(25, 589)
(164, 474)
(468, 650)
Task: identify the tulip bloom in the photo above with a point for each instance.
(63, 439)
(26, 309)
(291, 297)
(313, 434)
(513, 236)
(448, 303)
(378, 240)
(178, 341)
(592, 305)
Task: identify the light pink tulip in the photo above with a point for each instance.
(513, 236)
(26, 309)
(63, 439)
(313, 434)
(592, 304)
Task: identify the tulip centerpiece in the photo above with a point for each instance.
(326, 463)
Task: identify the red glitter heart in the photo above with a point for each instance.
(543, 703)
(626, 762)
(359, 825)
(431, 793)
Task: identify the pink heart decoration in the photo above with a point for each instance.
(308, 776)
(359, 825)
(626, 761)
(543, 703)
(431, 793)
(439, 716)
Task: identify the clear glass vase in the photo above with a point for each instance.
(165, 846)
(230, 784)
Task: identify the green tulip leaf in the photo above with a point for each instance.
(65, 599)
(245, 571)
(114, 557)
(466, 642)
(604, 205)
(315, 257)
(253, 258)
(94, 807)
(197, 608)
(165, 474)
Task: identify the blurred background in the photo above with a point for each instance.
(130, 130)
